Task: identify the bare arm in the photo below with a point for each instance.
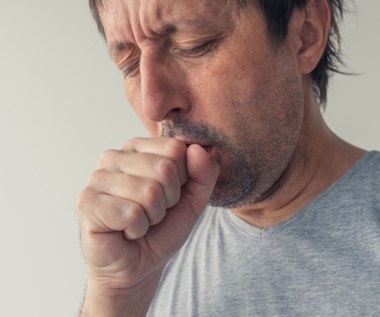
(120, 303)
(137, 210)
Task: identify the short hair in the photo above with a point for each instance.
(277, 14)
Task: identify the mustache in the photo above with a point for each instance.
(191, 130)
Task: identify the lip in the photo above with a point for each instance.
(207, 147)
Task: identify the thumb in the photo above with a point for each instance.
(203, 172)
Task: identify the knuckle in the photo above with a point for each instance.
(135, 217)
(153, 193)
(155, 202)
(131, 143)
(136, 140)
(175, 148)
(98, 176)
(85, 199)
(166, 170)
(135, 233)
(107, 158)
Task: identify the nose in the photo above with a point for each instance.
(163, 91)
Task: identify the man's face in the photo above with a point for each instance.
(206, 72)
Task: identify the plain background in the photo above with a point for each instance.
(62, 104)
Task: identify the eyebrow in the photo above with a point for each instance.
(118, 47)
(198, 22)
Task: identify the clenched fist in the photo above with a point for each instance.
(138, 209)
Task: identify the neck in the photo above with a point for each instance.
(319, 160)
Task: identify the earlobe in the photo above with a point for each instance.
(314, 34)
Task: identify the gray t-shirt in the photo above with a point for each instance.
(323, 261)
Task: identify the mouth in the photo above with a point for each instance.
(207, 147)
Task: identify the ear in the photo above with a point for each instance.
(311, 27)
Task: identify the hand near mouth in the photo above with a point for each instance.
(138, 209)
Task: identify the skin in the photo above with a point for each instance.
(174, 95)
(240, 129)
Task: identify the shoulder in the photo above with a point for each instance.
(367, 172)
(364, 180)
(371, 162)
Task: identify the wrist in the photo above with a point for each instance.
(101, 301)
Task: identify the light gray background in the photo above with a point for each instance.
(62, 104)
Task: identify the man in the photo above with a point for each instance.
(230, 92)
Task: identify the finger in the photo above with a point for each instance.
(162, 169)
(101, 213)
(180, 220)
(167, 147)
(203, 173)
(148, 193)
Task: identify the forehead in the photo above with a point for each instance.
(131, 19)
(160, 8)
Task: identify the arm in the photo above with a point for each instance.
(137, 210)
(119, 303)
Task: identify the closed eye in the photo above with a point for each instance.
(129, 70)
(197, 50)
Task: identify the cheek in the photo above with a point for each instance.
(263, 105)
(132, 93)
(227, 94)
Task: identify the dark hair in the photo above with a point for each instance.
(277, 14)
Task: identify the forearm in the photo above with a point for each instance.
(127, 303)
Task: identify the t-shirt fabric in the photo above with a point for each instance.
(322, 261)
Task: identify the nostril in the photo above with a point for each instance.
(173, 113)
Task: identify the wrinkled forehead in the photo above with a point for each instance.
(136, 18)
